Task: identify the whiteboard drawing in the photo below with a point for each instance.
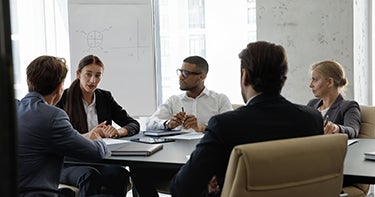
(121, 34)
(94, 38)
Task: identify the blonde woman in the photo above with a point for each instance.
(327, 83)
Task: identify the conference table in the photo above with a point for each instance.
(356, 167)
(175, 154)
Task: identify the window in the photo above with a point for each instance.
(38, 27)
(215, 30)
(196, 14)
(197, 45)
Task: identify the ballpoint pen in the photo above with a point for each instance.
(325, 121)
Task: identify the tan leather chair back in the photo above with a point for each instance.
(367, 129)
(306, 166)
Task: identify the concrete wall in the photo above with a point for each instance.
(317, 30)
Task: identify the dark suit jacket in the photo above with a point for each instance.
(109, 110)
(264, 118)
(45, 136)
(346, 114)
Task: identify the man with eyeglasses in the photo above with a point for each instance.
(190, 110)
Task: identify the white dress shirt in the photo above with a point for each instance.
(207, 104)
(91, 114)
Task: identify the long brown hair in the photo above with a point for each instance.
(74, 104)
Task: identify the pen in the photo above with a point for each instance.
(182, 109)
(325, 121)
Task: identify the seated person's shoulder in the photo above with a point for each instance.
(349, 103)
(216, 94)
(103, 92)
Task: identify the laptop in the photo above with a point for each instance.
(135, 149)
(162, 132)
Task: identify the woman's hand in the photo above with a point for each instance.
(331, 128)
(111, 132)
(213, 186)
(99, 129)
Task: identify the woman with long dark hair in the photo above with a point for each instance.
(88, 107)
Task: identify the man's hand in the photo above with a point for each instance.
(192, 122)
(176, 120)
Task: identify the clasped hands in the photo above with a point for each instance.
(187, 121)
(106, 131)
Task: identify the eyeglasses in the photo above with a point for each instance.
(186, 73)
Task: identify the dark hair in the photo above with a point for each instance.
(266, 66)
(201, 63)
(45, 73)
(74, 104)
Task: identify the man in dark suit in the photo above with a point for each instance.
(266, 116)
(45, 135)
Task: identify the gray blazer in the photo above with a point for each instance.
(346, 114)
(45, 136)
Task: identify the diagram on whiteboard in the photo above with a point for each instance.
(94, 39)
(109, 39)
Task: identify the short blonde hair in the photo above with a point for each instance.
(331, 69)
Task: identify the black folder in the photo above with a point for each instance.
(135, 149)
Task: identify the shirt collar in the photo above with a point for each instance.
(92, 104)
(204, 92)
(251, 98)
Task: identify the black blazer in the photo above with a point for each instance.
(265, 118)
(346, 114)
(109, 110)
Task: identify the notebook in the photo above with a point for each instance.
(135, 149)
(162, 132)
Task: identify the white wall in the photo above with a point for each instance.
(317, 30)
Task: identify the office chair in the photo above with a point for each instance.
(306, 166)
(367, 130)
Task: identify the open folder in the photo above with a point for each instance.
(135, 149)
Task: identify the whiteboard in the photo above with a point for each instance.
(121, 34)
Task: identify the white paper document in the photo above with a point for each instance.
(352, 141)
(111, 141)
(187, 136)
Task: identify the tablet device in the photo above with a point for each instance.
(152, 140)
